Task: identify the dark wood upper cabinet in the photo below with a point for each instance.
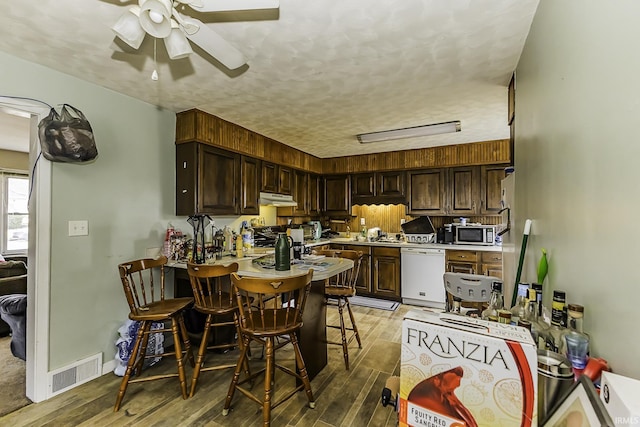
(426, 189)
(301, 193)
(363, 185)
(276, 178)
(207, 180)
(463, 190)
(315, 190)
(270, 178)
(491, 182)
(250, 186)
(390, 185)
(285, 180)
(378, 188)
(337, 200)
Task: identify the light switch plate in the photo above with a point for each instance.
(79, 228)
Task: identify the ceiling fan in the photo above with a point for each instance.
(165, 19)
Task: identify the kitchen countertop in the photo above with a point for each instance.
(481, 248)
(323, 268)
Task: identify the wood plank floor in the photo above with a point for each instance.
(343, 398)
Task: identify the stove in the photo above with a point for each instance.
(419, 238)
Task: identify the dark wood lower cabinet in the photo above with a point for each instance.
(386, 272)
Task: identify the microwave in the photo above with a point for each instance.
(475, 234)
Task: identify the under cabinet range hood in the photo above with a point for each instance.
(278, 200)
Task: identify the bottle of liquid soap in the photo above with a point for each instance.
(363, 228)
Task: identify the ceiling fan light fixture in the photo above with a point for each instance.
(155, 17)
(412, 132)
(177, 44)
(128, 28)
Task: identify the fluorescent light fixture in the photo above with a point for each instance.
(424, 130)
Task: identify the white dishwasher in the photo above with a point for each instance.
(421, 271)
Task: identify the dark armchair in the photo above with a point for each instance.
(13, 280)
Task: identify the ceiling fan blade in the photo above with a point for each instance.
(227, 5)
(216, 46)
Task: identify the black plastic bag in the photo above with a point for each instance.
(67, 137)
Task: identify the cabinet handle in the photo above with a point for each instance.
(184, 165)
(184, 191)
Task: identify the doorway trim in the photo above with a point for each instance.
(38, 271)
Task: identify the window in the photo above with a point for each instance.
(14, 189)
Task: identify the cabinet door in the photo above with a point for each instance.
(386, 272)
(337, 200)
(362, 185)
(491, 264)
(219, 181)
(250, 186)
(363, 285)
(186, 178)
(491, 181)
(270, 178)
(494, 270)
(285, 180)
(314, 195)
(390, 185)
(300, 193)
(426, 192)
(463, 186)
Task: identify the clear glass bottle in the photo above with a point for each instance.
(496, 302)
(519, 309)
(575, 313)
(247, 238)
(554, 338)
(363, 228)
(538, 326)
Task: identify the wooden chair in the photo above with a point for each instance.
(212, 291)
(340, 288)
(277, 310)
(143, 281)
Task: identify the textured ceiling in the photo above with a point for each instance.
(318, 72)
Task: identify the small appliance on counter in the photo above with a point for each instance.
(475, 234)
(419, 230)
(316, 229)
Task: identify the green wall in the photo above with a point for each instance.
(576, 160)
(127, 195)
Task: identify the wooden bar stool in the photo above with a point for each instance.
(143, 281)
(278, 304)
(340, 288)
(212, 291)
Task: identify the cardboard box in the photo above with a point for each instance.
(461, 371)
(621, 398)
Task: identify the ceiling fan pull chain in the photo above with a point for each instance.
(154, 75)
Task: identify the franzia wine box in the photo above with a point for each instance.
(461, 371)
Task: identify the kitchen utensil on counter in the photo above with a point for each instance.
(555, 377)
(317, 229)
(298, 249)
(199, 223)
(283, 252)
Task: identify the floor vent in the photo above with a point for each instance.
(73, 375)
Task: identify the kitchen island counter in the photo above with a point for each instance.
(313, 334)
